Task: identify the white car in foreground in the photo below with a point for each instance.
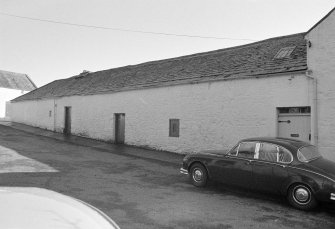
(37, 208)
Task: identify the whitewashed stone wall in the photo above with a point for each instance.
(321, 61)
(34, 113)
(212, 115)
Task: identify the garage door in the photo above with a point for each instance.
(295, 124)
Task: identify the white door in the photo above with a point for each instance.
(296, 126)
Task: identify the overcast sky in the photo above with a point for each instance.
(49, 51)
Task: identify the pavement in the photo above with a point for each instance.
(155, 155)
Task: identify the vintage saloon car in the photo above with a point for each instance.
(275, 165)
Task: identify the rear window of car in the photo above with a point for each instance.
(308, 153)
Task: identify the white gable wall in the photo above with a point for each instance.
(212, 115)
(321, 61)
(6, 95)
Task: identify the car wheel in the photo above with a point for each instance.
(199, 176)
(301, 197)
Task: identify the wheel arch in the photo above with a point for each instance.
(310, 183)
(299, 183)
(198, 162)
(301, 200)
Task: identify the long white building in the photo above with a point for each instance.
(284, 86)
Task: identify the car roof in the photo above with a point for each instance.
(288, 142)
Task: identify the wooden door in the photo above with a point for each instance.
(67, 120)
(119, 128)
(296, 126)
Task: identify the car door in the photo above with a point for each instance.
(235, 168)
(269, 167)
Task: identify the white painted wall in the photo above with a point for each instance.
(7, 95)
(212, 115)
(34, 113)
(321, 60)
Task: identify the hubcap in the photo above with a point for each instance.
(197, 175)
(301, 195)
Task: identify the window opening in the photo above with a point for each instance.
(174, 128)
(294, 110)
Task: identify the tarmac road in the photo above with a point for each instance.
(139, 188)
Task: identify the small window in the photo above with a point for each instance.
(268, 152)
(246, 149)
(50, 113)
(174, 128)
(284, 156)
(284, 52)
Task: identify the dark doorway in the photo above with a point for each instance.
(119, 128)
(67, 120)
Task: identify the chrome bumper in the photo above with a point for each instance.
(332, 196)
(183, 171)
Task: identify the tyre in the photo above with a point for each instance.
(301, 197)
(199, 176)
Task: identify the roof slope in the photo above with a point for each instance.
(17, 81)
(250, 60)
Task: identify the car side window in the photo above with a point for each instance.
(284, 155)
(246, 150)
(268, 152)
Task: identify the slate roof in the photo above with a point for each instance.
(252, 60)
(15, 80)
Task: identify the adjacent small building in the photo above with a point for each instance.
(321, 69)
(283, 86)
(12, 85)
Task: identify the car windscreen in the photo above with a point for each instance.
(308, 153)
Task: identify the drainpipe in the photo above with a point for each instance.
(314, 108)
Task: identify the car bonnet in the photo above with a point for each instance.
(35, 208)
(215, 152)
